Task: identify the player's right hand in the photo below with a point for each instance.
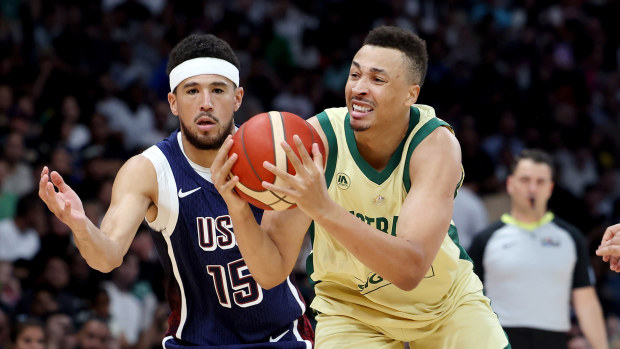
(64, 204)
(223, 180)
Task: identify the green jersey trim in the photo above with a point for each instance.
(332, 145)
(309, 259)
(424, 131)
(378, 177)
(455, 238)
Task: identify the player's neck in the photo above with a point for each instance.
(377, 144)
(200, 157)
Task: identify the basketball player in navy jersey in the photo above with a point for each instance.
(214, 301)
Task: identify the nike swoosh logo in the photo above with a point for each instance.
(183, 194)
(271, 340)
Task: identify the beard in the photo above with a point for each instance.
(359, 128)
(209, 142)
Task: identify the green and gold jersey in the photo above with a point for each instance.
(344, 285)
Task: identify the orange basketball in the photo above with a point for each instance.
(258, 140)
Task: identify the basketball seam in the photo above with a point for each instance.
(247, 156)
(285, 137)
(273, 141)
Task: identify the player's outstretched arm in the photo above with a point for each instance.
(271, 248)
(424, 218)
(609, 248)
(132, 193)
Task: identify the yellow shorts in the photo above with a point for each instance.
(473, 325)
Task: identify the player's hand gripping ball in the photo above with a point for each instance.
(258, 140)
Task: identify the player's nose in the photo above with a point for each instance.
(360, 87)
(207, 102)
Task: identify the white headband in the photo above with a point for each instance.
(203, 65)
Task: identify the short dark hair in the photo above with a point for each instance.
(536, 155)
(410, 44)
(201, 45)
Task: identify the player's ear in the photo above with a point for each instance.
(413, 93)
(238, 97)
(172, 100)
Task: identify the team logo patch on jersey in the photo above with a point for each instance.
(550, 242)
(343, 181)
(379, 200)
(183, 194)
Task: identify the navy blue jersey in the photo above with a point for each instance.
(213, 298)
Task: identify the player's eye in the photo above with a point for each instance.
(218, 90)
(192, 91)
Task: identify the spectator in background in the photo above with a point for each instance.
(132, 302)
(6, 106)
(47, 292)
(150, 337)
(55, 277)
(132, 117)
(5, 328)
(505, 139)
(94, 334)
(469, 214)
(295, 97)
(10, 287)
(8, 199)
(73, 133)
(18, 178)
(28, 335)
(59, 331)
(20, 234)
(533, 265)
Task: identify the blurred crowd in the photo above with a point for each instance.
(83, 87)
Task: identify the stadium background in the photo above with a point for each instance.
(83, 87)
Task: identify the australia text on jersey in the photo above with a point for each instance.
(373, 282)
(381, 223)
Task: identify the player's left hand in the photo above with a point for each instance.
(307, 187)
(609, 248)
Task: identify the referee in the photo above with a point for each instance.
(534, 264)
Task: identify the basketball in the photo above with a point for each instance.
(258, 140)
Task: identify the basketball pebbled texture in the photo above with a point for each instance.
(258, 140)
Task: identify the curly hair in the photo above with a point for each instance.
(201, 45)
(411, 45)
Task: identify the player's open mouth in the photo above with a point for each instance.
(361, 108)
(205, 122)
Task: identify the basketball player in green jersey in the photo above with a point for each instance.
(386, 263)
